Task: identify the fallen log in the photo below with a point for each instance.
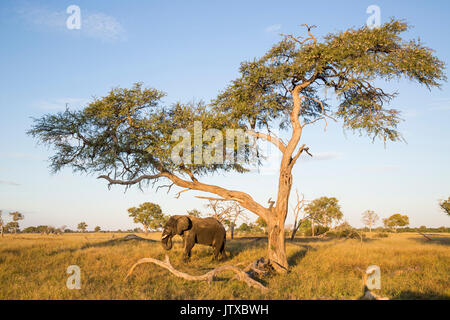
(209, 276)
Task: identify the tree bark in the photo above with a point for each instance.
(277, 245)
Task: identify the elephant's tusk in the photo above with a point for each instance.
(163, 237)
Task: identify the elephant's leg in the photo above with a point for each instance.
(223, 254)
(188, 245)
(216, 252)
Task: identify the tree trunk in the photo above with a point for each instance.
(146, 229)
(232, 231)
(294, 229)
(312, 228)
(277, 245)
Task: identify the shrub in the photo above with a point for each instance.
(381, 235)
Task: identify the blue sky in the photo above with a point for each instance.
(192, 50)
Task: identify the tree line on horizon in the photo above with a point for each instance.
(320, 216)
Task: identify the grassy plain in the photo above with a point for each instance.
(34, 266)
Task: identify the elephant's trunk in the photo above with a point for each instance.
(166, 242)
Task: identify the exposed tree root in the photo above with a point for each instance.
(209, 276)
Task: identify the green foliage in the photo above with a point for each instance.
(445, 205)
(129, 132)
(261, 223)
(324, 210)
(248, 228)
(82, 226)
(194, 213)
(12, 226)
(149, 215)
(345, 230)
(347, 62)
(381, 235)
(396, 220)
(97, 229)
(16, 216)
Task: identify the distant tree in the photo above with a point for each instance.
(324, 211)
(395, 221)
(244, 227)
(369, 218)
(97, 229)
(12, 226)
(194, 213)
(260, 223)
(1, 223)
(445, 206)
(82, 226)
(226, 212)
(149, 215)
(16, 217)
(299, 206)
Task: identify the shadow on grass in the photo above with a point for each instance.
(432, 239)
(112, 242)
(238, 245)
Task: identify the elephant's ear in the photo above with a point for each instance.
(183, 224)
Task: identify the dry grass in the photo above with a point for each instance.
(34, 267)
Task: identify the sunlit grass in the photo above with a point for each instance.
(34, 267)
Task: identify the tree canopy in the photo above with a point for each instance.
(82, 226)
(396, 220)
(324, 210)
(445, 205)
(149, 215)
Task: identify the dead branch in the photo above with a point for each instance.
(177, 196)
(209, 276)
(271, 203)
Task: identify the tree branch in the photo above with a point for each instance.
(209, 276)
(276, 141)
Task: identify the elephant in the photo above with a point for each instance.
(206, 231)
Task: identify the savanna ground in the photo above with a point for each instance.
(34, 267)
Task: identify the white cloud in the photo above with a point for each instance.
(10, 183)
(273, 28)
(93, 25)
(61, 103)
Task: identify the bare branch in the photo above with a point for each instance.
(130, 182)
(179, 193)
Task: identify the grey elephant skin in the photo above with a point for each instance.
(206, 231)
